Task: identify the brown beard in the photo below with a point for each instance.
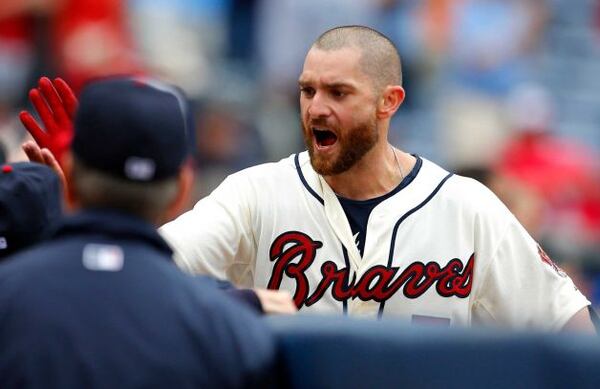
(353, 145)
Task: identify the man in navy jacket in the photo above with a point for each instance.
(101, 304)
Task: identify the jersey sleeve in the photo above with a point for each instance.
(522, 287)
(215, 237)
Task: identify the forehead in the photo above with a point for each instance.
(333, 66)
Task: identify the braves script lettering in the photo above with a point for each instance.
(378, 283)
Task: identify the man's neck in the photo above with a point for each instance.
(377, 173)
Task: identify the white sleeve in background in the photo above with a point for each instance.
(215, 237)
(522, 288)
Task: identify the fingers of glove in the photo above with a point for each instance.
(35, 96)
(33, 152)
(67, 95)
(33, 128)
(56, 104)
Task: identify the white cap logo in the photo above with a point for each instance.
(3, 243)
(103, 257)
(140, 169)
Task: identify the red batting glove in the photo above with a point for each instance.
(55, 103)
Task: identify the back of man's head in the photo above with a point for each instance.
(30, 205)
(130, 146)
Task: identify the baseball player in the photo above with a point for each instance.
(355, 226)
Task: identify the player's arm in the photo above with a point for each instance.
(524, 289)
(216, 237)
(260, 300)
(518, 285)
(580, 322)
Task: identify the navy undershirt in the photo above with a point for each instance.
(358, 211)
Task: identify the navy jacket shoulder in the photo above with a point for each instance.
(102, 304)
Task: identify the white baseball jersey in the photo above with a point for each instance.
(442, 249)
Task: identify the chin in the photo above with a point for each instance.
(327, 166)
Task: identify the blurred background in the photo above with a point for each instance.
(505, 91)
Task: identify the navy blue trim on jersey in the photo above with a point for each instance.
(404, 217)
(347, 261)
(358, 211)
(308, 188)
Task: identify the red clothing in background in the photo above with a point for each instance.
(91, 39)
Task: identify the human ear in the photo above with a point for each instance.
(389, 101)
(185, 181)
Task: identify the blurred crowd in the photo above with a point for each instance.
(505, 91)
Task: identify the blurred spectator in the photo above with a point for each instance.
(562, 172)
(17, 52)
(86, 38)
(11, 137)
(91, 39)
(286, 28)
(482, 59)
(597, 19)
(420, 30)
(242, 29)
(490, 46)
(78, 39)
(226, 143)
(183, 41)
(16, 58)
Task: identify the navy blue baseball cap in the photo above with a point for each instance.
(133, 128)
(30, 205)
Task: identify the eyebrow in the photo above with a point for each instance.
(333, 85)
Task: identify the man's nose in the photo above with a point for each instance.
(319, 106)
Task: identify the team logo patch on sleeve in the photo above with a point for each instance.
(546, 258)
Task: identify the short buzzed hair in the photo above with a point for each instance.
(380, 59)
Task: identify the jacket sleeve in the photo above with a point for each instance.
(247, 297)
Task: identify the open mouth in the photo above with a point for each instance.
(324, 137)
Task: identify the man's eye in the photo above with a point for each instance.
(338, 93)
(307, 91)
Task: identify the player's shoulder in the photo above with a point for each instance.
(261, 174)
(465, 192)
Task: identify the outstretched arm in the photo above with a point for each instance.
(261, 300)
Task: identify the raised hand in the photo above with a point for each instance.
(42, 155)
(55, 103)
